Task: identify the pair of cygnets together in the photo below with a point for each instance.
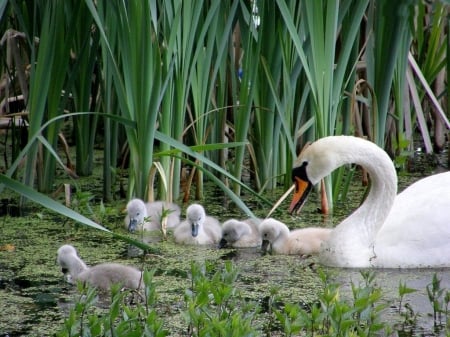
(201, 229)
(273, 235)
(198, 228)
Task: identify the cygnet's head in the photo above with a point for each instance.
(68, 259)
(232, 231)
(270, 229)
(195, 215)
(137, 211)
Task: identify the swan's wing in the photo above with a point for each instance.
(418, 226)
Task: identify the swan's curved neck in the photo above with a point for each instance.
(358, 231)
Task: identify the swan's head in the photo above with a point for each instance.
(137, 211)
(315, 162)
(195, 214)
(232, 231)
(270, 230)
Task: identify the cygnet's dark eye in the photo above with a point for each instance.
(138, 213)
(265, 235)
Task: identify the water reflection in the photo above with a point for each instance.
(388, 280)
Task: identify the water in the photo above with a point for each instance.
(422, 324)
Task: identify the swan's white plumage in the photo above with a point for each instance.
(147, 216)
(302, 241)
(198, 228)
(240, 233)
(408, 230)
(101, 276)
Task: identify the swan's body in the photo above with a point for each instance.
(240, 234)
(101, 276)
(198, 228)
(303, 241)
(147, 216)
(408, 230)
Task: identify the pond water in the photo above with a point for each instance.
(34, 299)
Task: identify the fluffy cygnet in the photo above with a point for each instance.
(240, 234)
(302, 241)
(198, 228)
(101, 276)
(147, 216)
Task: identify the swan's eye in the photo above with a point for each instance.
(300, 172)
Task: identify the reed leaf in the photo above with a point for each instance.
(321, 27)
(48, 69)
(109, 104)
(55, 206)
(388, 22)
(246, 88)
(140, 81)
(84, 88)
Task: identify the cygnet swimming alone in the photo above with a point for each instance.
(147, 216)
(302, 241)
(101, 276)
(240, 233)
(198, 228)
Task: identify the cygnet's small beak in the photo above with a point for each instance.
(265, 246)
(194, 228)
(64, 270)
(223, 243)
(132, 225)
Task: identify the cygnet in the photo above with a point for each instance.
(101, 276)
(304, 241)
(240, 233)
(198, 228)
(148, 216)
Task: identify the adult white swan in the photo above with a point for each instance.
(408, 230)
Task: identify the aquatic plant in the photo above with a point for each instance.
(333, 316)
(403, 290)
(214, 306)
(121, 318)
(439, 299)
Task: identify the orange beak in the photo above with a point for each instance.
(302, 189)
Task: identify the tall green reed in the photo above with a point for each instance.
(326, 68)
(139, 80)
(429, 49)
(274, 100)
(49, 63)
(245, 89)
(108, 104)
(85, 81)
(209, 36)
(172, 67)
(387, 30)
